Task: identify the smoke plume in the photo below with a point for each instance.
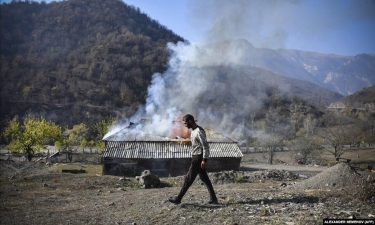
(202, 81)
(203, 78)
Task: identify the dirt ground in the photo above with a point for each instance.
(33, 193)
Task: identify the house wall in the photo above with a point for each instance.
(119, 167)
(221, 164)
(164, 167)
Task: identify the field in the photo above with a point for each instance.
(33, 193)
(358, 156)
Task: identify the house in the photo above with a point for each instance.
(130, 153)
(337, 105)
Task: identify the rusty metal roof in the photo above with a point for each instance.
(163, 150)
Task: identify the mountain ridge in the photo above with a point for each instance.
(342, 74)
(335, 72)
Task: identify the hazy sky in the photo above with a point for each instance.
(344, 27)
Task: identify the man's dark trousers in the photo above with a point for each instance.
(194, 170)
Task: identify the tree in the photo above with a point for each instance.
(336, 137)
(272, 119)
(31, 136)
(77, 133)
(270, 143)
(309, 124)
(252, 119)
(297, 114)
(337, 133)
(101, 129)
(72, 138)
(305, 149)
(88, 144)
(65, 144)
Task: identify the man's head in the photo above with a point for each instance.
(188, 121)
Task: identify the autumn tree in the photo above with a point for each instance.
(102, 128)
(72, 139)
(88, 144)
(77, 134)
(31, 135)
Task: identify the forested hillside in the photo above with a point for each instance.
(78, 60)
(364, 98)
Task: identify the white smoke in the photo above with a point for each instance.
(262, 22)
(199, 81)
(202, 78)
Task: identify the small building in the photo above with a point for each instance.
(337, 105)
(130, 155)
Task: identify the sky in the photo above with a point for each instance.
(343, 27)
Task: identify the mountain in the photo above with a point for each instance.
(355, 74)
(361, 99)
(343, 74)
(241, 52)
(78, 60)
(292, 87)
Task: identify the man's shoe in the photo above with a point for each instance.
(212, 201)
(174, 200)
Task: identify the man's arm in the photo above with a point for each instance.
(206, 147)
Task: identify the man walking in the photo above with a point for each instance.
(200, 152)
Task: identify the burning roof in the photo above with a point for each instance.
(133, 142)
(136, 132)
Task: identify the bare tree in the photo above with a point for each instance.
(309, 124)
(272, 119)
(337, 133)
(305, 149)
(298, 112)
(271, 143)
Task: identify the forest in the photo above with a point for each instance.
(78, 61)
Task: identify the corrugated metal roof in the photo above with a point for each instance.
(163, 150)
